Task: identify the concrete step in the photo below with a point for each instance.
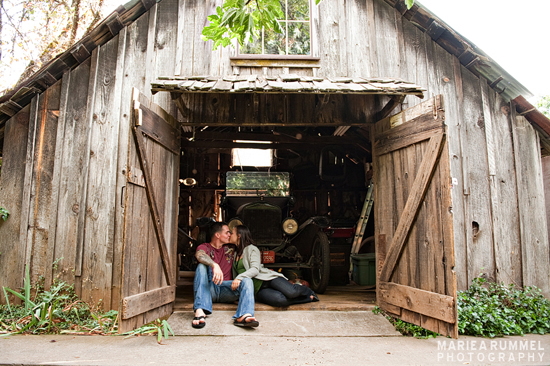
(289, 323)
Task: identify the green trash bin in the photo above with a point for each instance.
(364, 269)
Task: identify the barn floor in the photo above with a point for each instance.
(335, 298)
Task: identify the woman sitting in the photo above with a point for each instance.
(271, 287)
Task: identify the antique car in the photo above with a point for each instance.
(262, 201)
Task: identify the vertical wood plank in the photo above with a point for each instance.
(56, 179)
(449, 85)
(73, 162)
(180, 38)
(41, 185)
(202, 51)
(372, 54)
(187, 18)
(387, 41)
(151, 55)
(102, 189)
(92, 89)
(479, 225)
(332, 39)
(12, 188)
(503, 188)
(315, 30)
(545, 161)
(357, 44)
(29, 165)
(533, 230)
(165, 49)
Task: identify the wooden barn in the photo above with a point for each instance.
(113, 150)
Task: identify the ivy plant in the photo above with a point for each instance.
(492, 310)
(4, 213)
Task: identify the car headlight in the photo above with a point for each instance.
(233, 223)
(290, 226)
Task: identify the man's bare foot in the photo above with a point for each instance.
(198, 320)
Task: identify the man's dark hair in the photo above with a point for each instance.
(216, 227)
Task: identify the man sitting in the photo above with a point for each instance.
(213, 280)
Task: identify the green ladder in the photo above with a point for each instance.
(363, 219)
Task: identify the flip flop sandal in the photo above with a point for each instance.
(200, 325)
(244, 323)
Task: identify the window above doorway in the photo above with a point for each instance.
(297, 39)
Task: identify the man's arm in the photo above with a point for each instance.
(205, 259)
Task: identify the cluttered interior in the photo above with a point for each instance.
(306, 195)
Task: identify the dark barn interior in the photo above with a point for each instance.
(330, 168)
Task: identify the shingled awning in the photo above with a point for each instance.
(286, 83)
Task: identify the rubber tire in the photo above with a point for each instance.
(318, 276)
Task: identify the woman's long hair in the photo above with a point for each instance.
(245, 238)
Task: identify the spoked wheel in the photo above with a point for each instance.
(320, 271)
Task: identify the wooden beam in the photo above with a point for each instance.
(412, 206)
(140, 142)
(140, 303)
(232, 136)
(156, 128)
(407, 134)
(389, 107)
(427, 303)
(279, 146)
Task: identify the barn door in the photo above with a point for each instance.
(414, 231)
(151, 201)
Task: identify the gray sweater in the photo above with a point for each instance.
(254, 267)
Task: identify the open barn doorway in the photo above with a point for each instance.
(325, 174)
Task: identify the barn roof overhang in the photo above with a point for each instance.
(286, 99)
(286, 83)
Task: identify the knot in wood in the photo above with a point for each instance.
(76, 208)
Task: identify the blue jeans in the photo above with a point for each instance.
(206, 292)
(281, 293)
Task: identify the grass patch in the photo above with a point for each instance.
(60, 311)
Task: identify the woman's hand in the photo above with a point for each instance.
(235, 285)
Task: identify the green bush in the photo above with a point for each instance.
(491, 310)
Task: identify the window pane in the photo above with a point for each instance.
(299, 39)
(275, 42)
(298, 9)
(252, 157)
(254, 48)
(283, 8)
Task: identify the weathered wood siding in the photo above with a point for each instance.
(64, 188)
(491, 152)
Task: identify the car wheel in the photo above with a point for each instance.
(320, 271)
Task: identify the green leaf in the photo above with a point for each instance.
(409, 3)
